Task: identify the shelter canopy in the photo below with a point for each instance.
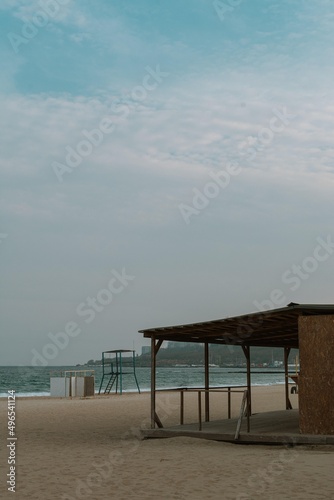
(273, 328)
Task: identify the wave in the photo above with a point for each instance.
(25, 394)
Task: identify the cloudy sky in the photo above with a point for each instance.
(162, 163)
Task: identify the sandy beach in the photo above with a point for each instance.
(91, 449)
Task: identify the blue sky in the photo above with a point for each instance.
(174, 92)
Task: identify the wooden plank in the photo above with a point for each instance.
(266, 439)
(242, 410)
(158, 421)
(157, 347)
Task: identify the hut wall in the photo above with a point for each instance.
(316, 379)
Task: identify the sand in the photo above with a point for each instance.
(90, 449)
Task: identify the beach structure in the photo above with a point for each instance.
(115, 366)
(307, 327)
(72, 383)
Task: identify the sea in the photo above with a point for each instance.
(29, 381)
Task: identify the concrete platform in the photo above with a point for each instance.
(277, 427)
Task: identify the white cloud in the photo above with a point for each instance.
(119, 207)
(180, 131)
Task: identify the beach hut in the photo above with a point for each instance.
(307, 327)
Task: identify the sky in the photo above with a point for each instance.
(161, 163)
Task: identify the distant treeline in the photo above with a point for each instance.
(222, 355)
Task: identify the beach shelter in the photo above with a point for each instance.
(307, 327)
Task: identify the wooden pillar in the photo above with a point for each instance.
(154, 351)
(246, 350)
(153, 372)
(207, 382)
(229, 402)
(120, 374)
(181, 407)
(288, 405)
(200, 410)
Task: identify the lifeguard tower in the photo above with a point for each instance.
(114, 367)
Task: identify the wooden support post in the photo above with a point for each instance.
(249, 398)
(154, 351)
(120, 374)
(181, 407)
(248, 417)
(229, 402)
(207, 382)
(200, 410)
(153, 355)
(246, 350)
(288, 404)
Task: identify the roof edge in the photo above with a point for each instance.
(290, 307)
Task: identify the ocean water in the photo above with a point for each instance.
(35, 381)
